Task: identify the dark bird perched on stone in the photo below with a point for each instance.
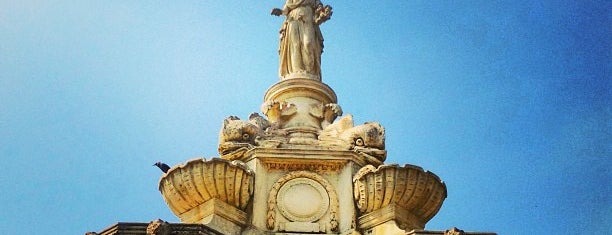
(162, 166)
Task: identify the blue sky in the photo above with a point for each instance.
(509, 102)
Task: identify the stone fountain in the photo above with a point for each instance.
(302, 167)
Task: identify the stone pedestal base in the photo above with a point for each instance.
(303, 191)
(160, 227)
(217, 215)
(389, 220)
(387, 228)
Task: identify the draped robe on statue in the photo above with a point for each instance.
(301, 42)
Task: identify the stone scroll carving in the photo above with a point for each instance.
(280, 112)
(303, 184)
(367, 139)
(326, 113)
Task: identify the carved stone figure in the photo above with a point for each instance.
(368, 138)
(301, 42)
(236, 134)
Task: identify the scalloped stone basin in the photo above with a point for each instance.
(190, 185)
(419, 192)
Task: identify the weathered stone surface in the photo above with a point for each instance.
(214, 192)
(301, 42)
(156, 227)
(301, 108)
(236, 134)
(452, 231)
(408, 195)
(367, 139)
(296, 169)
(303, 190)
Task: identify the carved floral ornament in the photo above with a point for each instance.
(315, 186)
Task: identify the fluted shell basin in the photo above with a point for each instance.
(409, 187)
(189, 185)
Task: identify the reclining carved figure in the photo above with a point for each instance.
(368, 138)
(236, 134)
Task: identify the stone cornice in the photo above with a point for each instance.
(322, 156)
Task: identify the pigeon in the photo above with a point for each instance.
(162, 166)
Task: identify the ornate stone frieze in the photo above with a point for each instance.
(313, 165)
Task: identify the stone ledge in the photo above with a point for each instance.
(215, 207)
(452, 231)
(128, 228)
(402, 217)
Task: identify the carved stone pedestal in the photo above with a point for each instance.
(393, 199)
(389, 220)
(217, 215)
(303, 191)
(214, 193)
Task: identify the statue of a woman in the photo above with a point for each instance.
(301, 42)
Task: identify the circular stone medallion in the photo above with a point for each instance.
(302, 200)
